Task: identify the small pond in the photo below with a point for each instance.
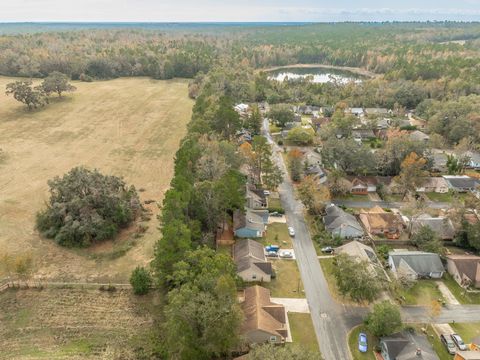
(317, 75)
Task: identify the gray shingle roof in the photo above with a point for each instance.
(336, 217)
(248, 253)
(443, 227)
(420, 262)
(404, 346)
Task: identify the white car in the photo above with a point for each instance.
(286, 254)
(266, 192)
(291, 231)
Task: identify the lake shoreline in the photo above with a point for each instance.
(353, 70)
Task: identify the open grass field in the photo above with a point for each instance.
(129, 127)
(75, 323)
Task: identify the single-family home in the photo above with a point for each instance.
(358, 112)
(442, 226)
(465, 269)
(473, 352)
(362, 134)
(256, 198)
(379, 222)
(362, 185)
(439, 162)
(415, 264)
(418, 135)
(434, 184)
(406, 346)
(241, 109)
(252, 265)
(473, 159)
(384, 124)
(461, 183)
(372, 112)
(248, 224)
(361, 252)
(264, 320)
(316, 172)
(341, 223)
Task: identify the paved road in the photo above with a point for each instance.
(328, 316)
(385, 204)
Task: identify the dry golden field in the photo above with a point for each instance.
(76, 324)
(129, 127)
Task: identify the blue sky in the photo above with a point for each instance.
(237, 10)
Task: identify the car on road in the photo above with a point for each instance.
(458, 341)
(328, 250)
(272, 254)
(266, 192)
(291, 231)
(286, 254)
(362, 342)
(448, 342)
(269, 248)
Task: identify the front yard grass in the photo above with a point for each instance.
(445, 197)
(468, 331)
(303, 333)
(462, 296)
(327, 267)
(353, 344)
(352, 197)
(287, 283)
(277, 234)
(274, 203)
(424, 292)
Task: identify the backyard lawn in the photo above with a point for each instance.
(462, 296)
(353, 344)
(277, 234)
(468, 331)
(303, 333)
(422, 293)
(287, 283)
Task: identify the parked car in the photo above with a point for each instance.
(291, 231)
(362, 342)
(266, 192)
(275, 214)
(459, 342)
(269, 248)
(328, 250)
(447, 341)
(286, 254)
(272, 254)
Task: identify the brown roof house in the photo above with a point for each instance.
(379, 222)
(256, 198)
(465, 269)
(265, 321)
(249, 256)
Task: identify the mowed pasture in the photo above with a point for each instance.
(129, 127)
(76, 323)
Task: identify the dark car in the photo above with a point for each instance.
(272, 254)
(449, 344)
(458, 341)
(328, 250)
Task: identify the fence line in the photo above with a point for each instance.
(39, 284)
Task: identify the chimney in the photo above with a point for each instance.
(419, 352)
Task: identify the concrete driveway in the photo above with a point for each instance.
(293, 305)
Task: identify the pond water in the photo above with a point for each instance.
(317, 75)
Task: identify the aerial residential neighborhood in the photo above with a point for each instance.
(208, 180)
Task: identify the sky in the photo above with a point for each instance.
(236, 10)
